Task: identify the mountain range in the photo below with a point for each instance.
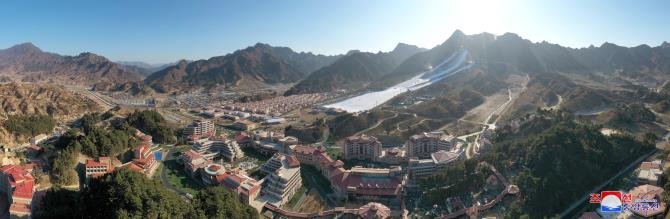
(27, 63)
(355, 70)
(145, 69)
(262, 65)
(253, 67)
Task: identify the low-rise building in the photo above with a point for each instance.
(38, 139)
(650, 195)
(99, 167)
(650, 172)
(393, 156)
(243, 125)
(17, 182)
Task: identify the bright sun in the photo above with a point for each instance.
(481, 15)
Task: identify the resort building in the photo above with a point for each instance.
(422, 145)
(269, 142)
(192, 161)
(393, 156)
(144, 160)
(213, 174)
(362, 147)
(94, 169)
(283, 179)
(650, 195)
(650, 172)
(199, 128)
(365, 184)
(17, 182)
(369, 184)
(209, 148)
(425, 167)
(246, 188)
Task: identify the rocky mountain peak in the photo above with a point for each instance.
(24, 48)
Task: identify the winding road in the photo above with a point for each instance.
(167, 183)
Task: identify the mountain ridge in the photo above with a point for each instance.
(28, 63)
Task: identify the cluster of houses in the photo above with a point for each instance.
(265, 111)
(278, 105)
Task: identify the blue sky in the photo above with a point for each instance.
(168, 30)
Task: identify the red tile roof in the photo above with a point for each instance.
(24, 190)
(19, 207)
(303, 149)
(292, 161)
(192, 155)
(20, 179)
(649, 165)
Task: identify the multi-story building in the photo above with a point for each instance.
(144, 160)
(367, 184)
(200, 128)
(362, 147)
(18, 183)
(98, 168)
(283, 179)
(269, 142)
(422, 145)
(210, 148)
(192, 161)
(393, 156)
(425, 167)
(246, 188)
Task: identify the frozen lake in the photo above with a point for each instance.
(452, 65)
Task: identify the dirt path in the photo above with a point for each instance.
(377, 124)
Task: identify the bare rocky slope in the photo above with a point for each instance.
(32, 99)
(27, 63)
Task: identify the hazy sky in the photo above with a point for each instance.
(167, 30)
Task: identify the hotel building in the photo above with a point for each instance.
(362, 147)
(422, 145)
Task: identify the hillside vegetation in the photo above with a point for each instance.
(545, 151)
(127, 194)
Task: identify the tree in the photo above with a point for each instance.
(127, 194)
(29, 125)
(59, 203)
(152, 123)
(218, 202)
(63, 165)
